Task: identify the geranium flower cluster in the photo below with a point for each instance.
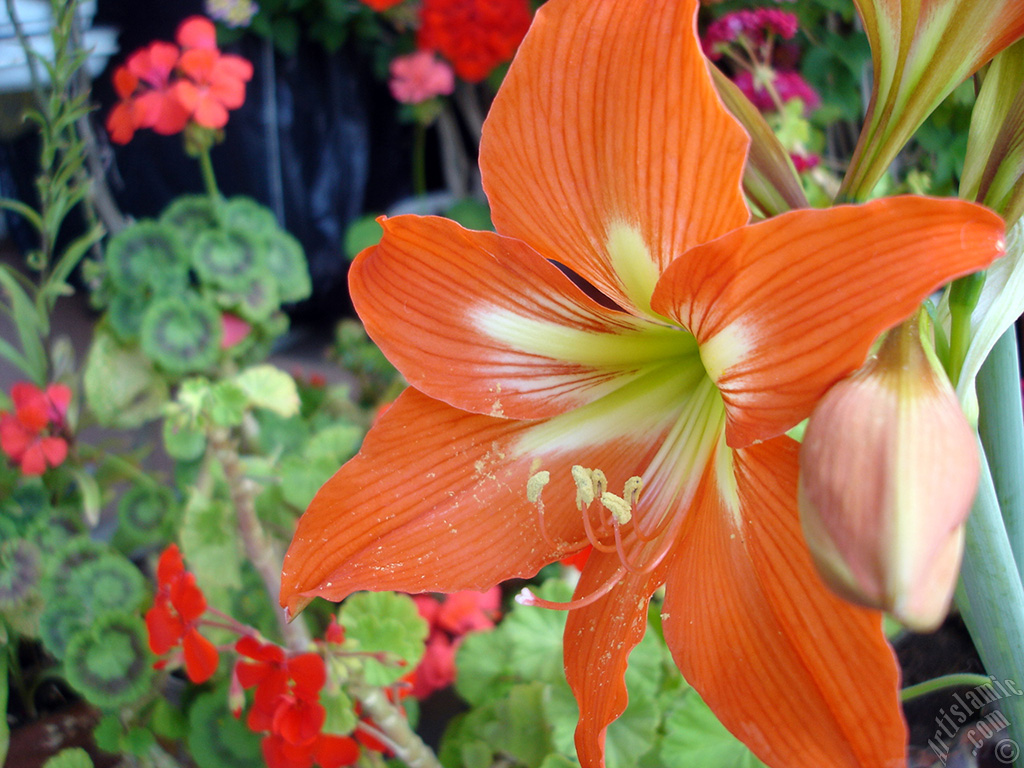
(762, 69)
(166, 86)
(286, 687)
(174, 619)
(286, 707)
(474, 37)
(450, 620)
(31, 434)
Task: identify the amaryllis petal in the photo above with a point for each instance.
(759, 636)
(784, 308)
(921, 50)
(626, 158)
(421, 490)
(517, 339)
(598, 641)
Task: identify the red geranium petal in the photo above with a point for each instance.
(201, 657)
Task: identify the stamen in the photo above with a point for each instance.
(584, 486)
(631, 490)
(534, 487)
(595, 542)
(620, 509)
(526, 597)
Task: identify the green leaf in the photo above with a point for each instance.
(301, 478)
(109, 663)
(340, 710)
(184, 439)
(30, 325)
(132, 397)
(90, 492)
(209, 540)
(337, 443)
(536, 636)
(227, 404)
(362, 233)
(181, 333)
(267, 386)
(73, 757)
(388, 623)
(484, 670)
(471, 213)
(216, 738)
(694, 736)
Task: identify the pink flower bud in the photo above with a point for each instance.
(420, 76)
(888, 471)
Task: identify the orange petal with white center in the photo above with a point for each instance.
(485, 324)
(436, 499)
(607, 148)
(801, 677)
(598, 641)
(785, 308)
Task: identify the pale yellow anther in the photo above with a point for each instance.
(631, 491)
(584, 486)
(619, 508)
(599, 480)
(535, 485)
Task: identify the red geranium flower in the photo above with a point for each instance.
(26, 435)
(173, 619)
(474, 35)
(275, 676)
(324, 750)
(164, 86)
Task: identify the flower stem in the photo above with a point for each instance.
(409, 748)
(419, 160)
(259, 550)
(209, 180)
(1001, 425)
(991, 597)
(965, 680)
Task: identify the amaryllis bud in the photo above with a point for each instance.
(888, 471)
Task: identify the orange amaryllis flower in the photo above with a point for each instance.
(921, 50)
(698, 341)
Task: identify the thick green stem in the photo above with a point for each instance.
(1001, 425)
(409, 748)
(991, 598)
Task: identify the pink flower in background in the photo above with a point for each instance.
(420, 76)
(754, 27)
(788, 85)
(459, 614)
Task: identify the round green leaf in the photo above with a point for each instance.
(109, 663)
(147, 253)
(181, 334)
(228, 259)
(384, 622)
